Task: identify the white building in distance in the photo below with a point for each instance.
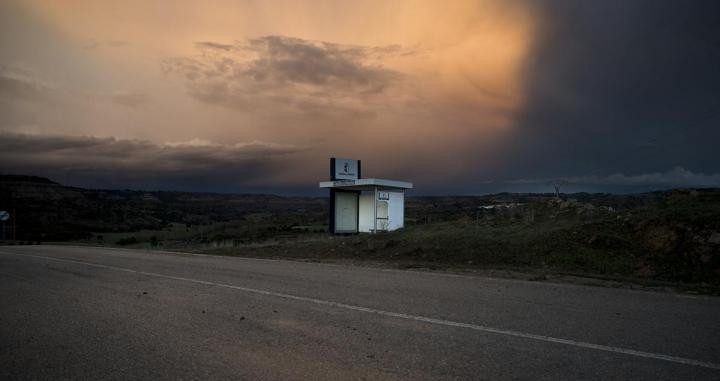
(360, 205)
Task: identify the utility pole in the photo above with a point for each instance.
(557, 184)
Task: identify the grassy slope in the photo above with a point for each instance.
(661, 236)
(668, 241)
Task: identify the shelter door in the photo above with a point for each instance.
(346, 212)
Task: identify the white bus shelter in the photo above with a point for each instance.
(363, 205)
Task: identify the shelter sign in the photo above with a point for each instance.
(344, 169)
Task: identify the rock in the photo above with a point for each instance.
(661, 238)
(714, 238)
(645, 271)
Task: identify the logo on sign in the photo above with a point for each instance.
(345, 169)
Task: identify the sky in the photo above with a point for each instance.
(458, 97)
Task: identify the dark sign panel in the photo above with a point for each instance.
(344, 169)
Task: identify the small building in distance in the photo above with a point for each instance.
(359, 205)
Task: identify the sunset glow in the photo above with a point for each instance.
(410, 87)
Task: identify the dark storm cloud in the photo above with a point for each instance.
(627, 87)
(276, 71)
(213, 45)
(84, 160)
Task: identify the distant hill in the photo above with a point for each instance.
(664, 236)
(47, 210)
(25, 179)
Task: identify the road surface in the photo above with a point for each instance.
(98, 313)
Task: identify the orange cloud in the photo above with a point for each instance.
(389, 82)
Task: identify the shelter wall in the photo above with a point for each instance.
(396, 212)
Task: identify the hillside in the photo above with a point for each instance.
(48, 211)
(671, 236)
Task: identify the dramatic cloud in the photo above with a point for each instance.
(89, 160)
(462, 96)
(290, 72)
(620, 87)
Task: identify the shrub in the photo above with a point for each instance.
(127, 241)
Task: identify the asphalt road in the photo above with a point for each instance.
(94, 313)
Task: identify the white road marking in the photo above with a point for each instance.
(475, 327)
